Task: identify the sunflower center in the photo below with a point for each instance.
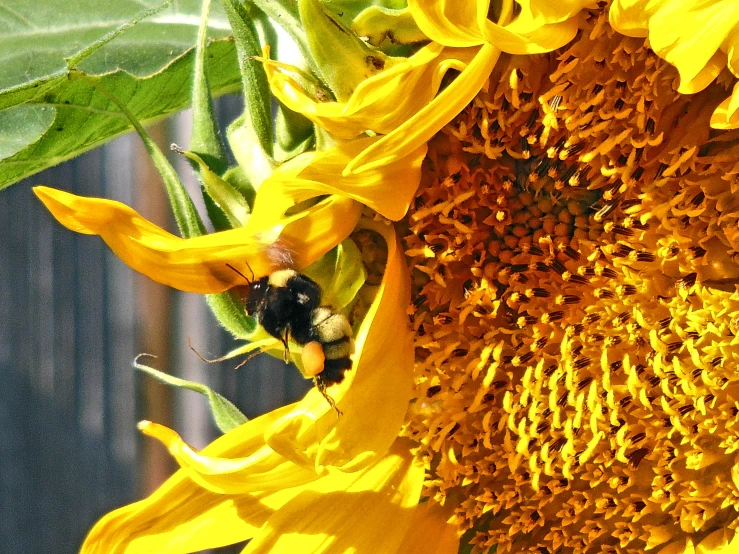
(574, 305)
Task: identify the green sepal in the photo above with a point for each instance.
(397, 26)
(227, 416)
(215, 214)
(230, 313)
(256, 164)
(294, 133)
(205, 139)
(229, 200)
(257, 96)
(340, 274)
(236, 177)
(185, 213)
(343, 59)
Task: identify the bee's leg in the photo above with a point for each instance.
(321, 386)
(283, 339)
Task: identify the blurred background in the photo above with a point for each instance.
(72, 319)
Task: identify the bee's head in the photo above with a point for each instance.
(257, 291)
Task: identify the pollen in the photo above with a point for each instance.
(578, 325)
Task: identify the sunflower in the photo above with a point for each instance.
(569, 217)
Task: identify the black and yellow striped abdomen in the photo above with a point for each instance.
(334, 333)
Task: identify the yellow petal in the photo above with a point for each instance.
(449, 22)
(388, 190)
(631, 17)
(523, 36)
(381, 102)
(429, 120)
(722, 540)
(688, 34)
(431, 532)
(726, 116)
(540, 26)
(316, 230)
(261, 470)
(538, 13)
(374, 395)
(200, 264)
(367, 512)
(193, 265)
(195, 520)
(182, 517)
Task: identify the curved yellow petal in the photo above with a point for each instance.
(374, 395)
(367, 512)
(689, 38)
(449, 22)
(540, 26)
(193, 265)
(381, 102)
(388, 190)
(316, 230)
(524, 36)
(182, 517)
(726, 116)
(430, 531)
(428, 121)
(537, 13)
(200, 264)
(261, 470)
(631, 17)
(688, 34)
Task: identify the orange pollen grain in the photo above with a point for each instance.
(313, 358)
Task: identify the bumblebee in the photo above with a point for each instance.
(287, 305)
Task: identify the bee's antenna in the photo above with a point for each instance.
(250, 269)
(199, 355)
(321, 386)
(248, 281)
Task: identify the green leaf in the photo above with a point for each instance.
(347, 10)
(21, 126)
(206, 143)
(148, 66)
(226, 415)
